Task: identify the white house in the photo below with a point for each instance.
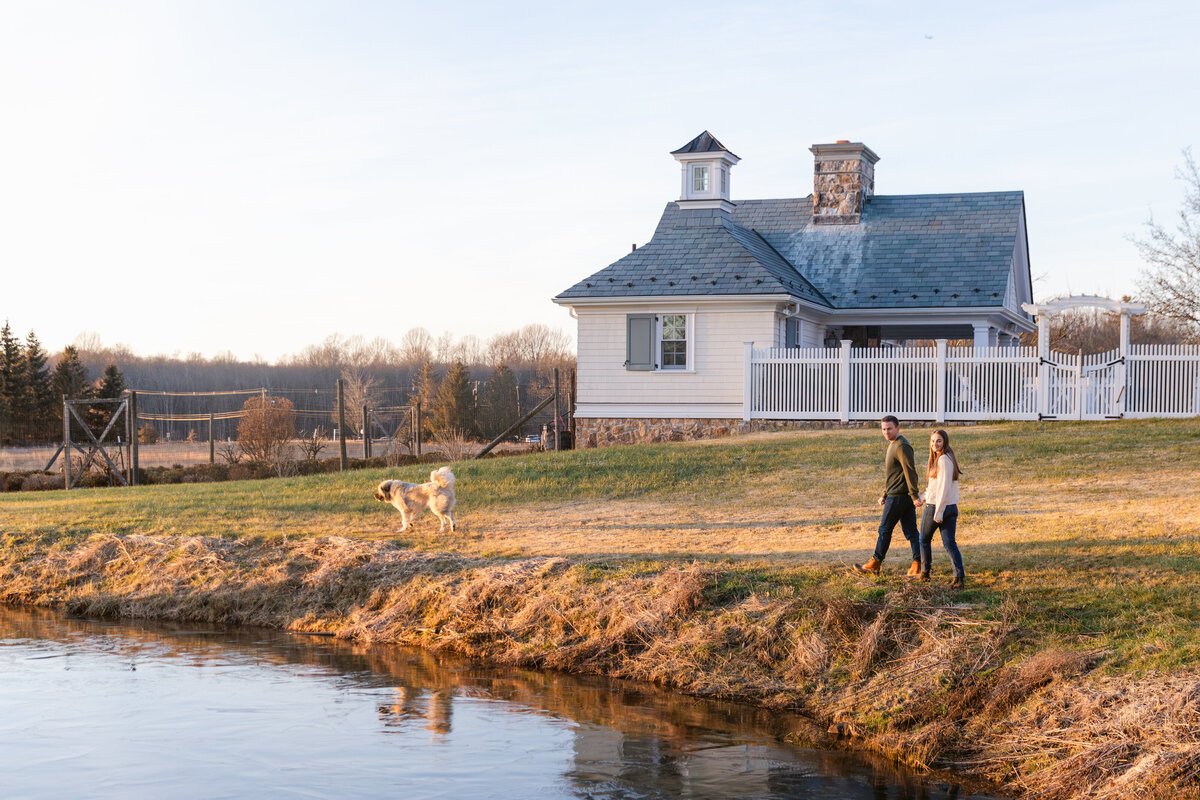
(662, 332)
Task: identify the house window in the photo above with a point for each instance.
(724, 185)
(673, 341)
(700, 178)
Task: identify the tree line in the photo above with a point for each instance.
(465, 386)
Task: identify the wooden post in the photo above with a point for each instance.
(366, 433)
(133, 440)
(1121, 377)
(67, 441)
(418, 436)
(341, 401)
(939, 383)
(1043, 383)
(844, 382)
(748, 382)
(212, 446)
(129, 434)
(556, 409)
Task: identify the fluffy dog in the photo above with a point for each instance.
(411, 499)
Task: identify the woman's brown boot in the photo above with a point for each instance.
(957, 582)
(914, 570)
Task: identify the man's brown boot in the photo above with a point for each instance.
(957, 582)
(871, 567)
(914, 570)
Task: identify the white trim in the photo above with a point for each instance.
(689, 323)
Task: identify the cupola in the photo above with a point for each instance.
(706, 164)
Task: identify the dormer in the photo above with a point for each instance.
(706, 164)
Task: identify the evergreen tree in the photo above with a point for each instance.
(12, 379)
(112, 386)
(71, 380)
(39, 400)
(454, 410)
(498, 406)
(425, 391)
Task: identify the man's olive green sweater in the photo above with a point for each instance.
(901, 470)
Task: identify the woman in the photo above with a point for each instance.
(941, 507)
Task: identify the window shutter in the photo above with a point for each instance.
(791, 332)
(639, 342)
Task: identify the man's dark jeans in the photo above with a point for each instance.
(948, 525)
(898, 509)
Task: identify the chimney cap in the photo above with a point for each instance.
(841, 150)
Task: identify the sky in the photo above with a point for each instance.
(253, 176)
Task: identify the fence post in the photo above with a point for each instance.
(844, 383)
(1122, 368)
(1043, 384)
(212, 445)
(133, 440)
(418, 436)
(556, 409)
(748, 383)
(341, 401)
(366, 434)
(67, 442)
(939, 383)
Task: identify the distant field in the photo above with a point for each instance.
(165, 454)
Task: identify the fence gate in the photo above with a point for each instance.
(96, 446)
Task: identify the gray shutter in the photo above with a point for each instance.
(639, 341)
(791, 332)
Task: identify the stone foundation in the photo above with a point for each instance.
(602, 432)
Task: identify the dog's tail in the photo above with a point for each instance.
(442, 477)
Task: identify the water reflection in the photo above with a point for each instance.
(126, 710)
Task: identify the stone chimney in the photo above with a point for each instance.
(843, 179)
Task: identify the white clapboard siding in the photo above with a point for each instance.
(712, 387)
(970, 383)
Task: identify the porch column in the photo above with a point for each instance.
(985, 335)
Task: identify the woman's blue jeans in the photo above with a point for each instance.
(948, 525)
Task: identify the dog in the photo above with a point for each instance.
(411, 499)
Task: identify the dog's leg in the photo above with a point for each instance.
(403, 520)
(441, 521)
(453, 521)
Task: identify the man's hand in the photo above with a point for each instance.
(918, 502)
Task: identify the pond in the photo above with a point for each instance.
(131, 710)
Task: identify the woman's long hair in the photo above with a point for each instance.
(946, 451)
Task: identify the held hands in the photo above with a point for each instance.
(918, 502)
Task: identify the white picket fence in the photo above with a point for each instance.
(967, 383)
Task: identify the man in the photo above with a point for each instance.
(900, 499)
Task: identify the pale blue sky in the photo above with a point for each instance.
(254, 176)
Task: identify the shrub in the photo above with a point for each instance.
(266, 429)
(43, 481)
(147, 434)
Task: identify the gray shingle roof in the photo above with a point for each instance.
(698, 253)
(949, 250)
(704, 143)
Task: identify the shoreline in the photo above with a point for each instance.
(936, 685)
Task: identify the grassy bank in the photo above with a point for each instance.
(722, 568)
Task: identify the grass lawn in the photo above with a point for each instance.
(1093, 529)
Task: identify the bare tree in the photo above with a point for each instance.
(416, 347)
(1170, 281)
(361, 389)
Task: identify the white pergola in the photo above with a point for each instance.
(1044, 311)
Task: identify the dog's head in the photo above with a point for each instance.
(383, 492)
